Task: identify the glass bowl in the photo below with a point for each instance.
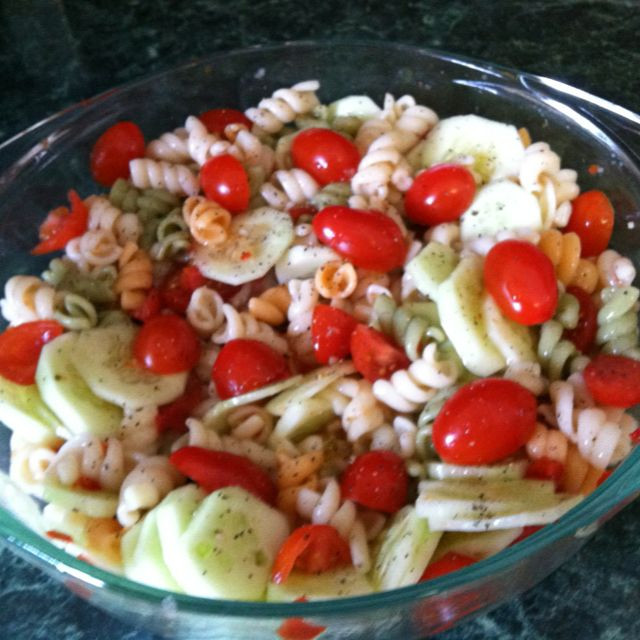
(38, 166)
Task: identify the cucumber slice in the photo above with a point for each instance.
(476, 545)
(142, 555)
(103, 357)
(431, 267)
(229, 546)
(323, 586)
(301, 262)
(256, 240)
(23, 411)
(302, 419)
(97, 504)
(66, 393)
(509, 471)
(362, 107)
(216, 417)
(459, 303)
(496, 147)
(500, 206)
(514, 341)
(405, 550)
(308, 386)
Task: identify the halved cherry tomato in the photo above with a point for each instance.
(311, 548)
(584, 334)
(212, 470)
(113, 151)
(150, 307)
(244, 365)
(175, 414)
(374, 354)
(299, 629)
(449, 563)
(62, 225)
(440, 194)
(613, 380)
(224, 180)
(592, 219)
(20, 349)
(217, 119)
(331, 331)
(369, 239)
(522, 281)
(325, 155)
(377, 480)
(166, 344)
(484, 421)
(546, 469)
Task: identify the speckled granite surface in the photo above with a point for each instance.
(55, 52)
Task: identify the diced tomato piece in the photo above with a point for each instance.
(374, 355)
(546, 469)
(331, 331)
(62, 225)
(174, 415)
(449, 563)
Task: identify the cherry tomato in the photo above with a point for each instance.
(377, 480)
(584, 335)
(331, 331)
(217, 119)
(374, 355)
(449, 563)
(606, 474)
(522, 281)
(20, 349)
(613, 380)
(325, 155)
(175, 414)
(212, 470)
(166, 344)
(484, 421)
(592, 219)
(297, 212)
(368, 239)
(224, 180)
(61, 225)
(244, 365)
(150, 307)
(546, 469)
(113, 151)
(311, 548)
(299, 629)
(440, 194)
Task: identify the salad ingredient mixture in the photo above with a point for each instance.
(312, 351)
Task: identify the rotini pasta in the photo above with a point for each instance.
(175, 178)
(271, 306)
(135, 277)
(336, 280)
(618, 321)
(208, 222)
(296, 187)
(27, 298)
(172, 237)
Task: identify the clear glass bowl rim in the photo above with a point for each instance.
(621, 486)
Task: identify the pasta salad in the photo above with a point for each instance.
(316, 350)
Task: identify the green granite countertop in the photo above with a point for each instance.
(56, 52)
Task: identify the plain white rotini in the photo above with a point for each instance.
(170, 147)
(104, 216)
(175, 178)
(284, 106)
(304, 298)
(29, 462)
(199, 141)
(27, 298)
(335, 279)
(529, 375)
(241, 324)
(205, 311)
(360, 411)
(399, 437)
(615, 270)
(484, 244)
(250, 421)
(295, 187)
(408, 389)
(94, 248)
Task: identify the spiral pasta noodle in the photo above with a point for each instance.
(27, 298)
(618, 321)
(304, 297)
(332, 194)
(94, 248)
(615, 270)
(208, 222)
(357, 406)
(563, 249)
(527, 374)
(399, 437)
(205, 311)
(135, 277)
(175, 178)
(77, 313)
(29, 462)
(296, 187)
(96, 287)
(284, 106)
(271, 306)
(172, 236)
(335, 279)
(250, 421)
(170, 147)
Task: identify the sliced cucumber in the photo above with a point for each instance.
(459, 301)
(216, 417)
(104, 358)
(305, 417)
(496, 147)
(23, 411)
(431, 267)
(405, 550)
(97, 504)
(362, 107)
(308, 386)
(66, 393)
(509, 471)
(256, 240)
(322, 586)
(302, 262)
(476, 545)
(500, 206)
(142, 555)
(229, 546)
(514, 341)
